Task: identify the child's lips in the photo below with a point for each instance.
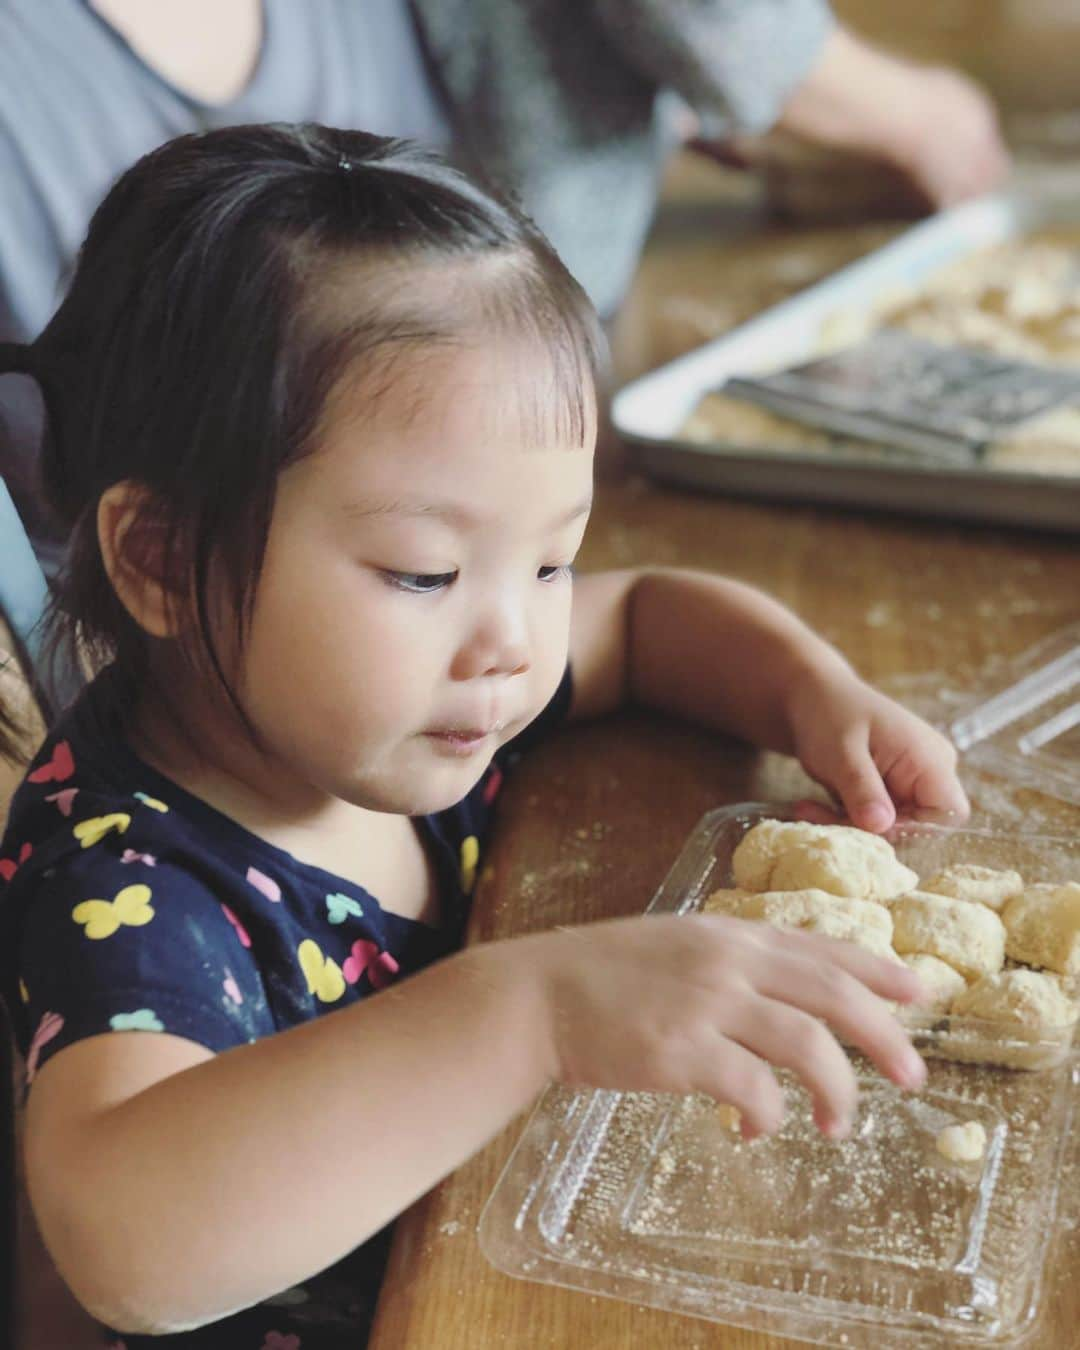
(461, 740)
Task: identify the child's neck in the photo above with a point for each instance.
(379, 851)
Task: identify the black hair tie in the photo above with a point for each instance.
(15, 359)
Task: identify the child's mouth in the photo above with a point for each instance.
(460, 740)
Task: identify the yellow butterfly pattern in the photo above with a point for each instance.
(323, 974)
(130, 907)
(88, 832)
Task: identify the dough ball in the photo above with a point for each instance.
(962, 1143)
(844, 918)
(1043, 927)
(939, 980)
(794, 855)
(969, 937)
(970, 881)
(730, 1117)
(1028, 997)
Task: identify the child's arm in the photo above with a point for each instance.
(173, 1187)
(726, 655)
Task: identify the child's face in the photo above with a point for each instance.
(413, 612)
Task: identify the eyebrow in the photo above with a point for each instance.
(452, 512)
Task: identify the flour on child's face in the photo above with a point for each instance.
(395, 698)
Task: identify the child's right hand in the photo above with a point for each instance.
(705, 1003)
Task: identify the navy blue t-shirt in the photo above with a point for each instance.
(126, 903)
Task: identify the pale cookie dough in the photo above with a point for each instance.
(962, 1143)
(1043, 927)
(939, 980)
(969, 937)
(1028, 997)
(845, 918)
(794, 855)
(970, 881)
(730, 1117)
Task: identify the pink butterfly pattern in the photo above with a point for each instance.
(49, 1027)
(366, 957)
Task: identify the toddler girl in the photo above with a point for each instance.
(321, 418)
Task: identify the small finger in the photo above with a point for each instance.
(862, 791)
(742, 1079)
(826, 990)
(888, 979)
(792, 1039)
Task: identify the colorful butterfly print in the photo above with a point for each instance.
(24, 993)
(232, 989)
(89, 832)
(470, 856)
(130, 856)
(9, 866)
(323, 974)
(262, 882)
(241, 931)
(64, 799)
(142, 1019)
(151, 802)
(102, 918)
(493, 784)
(50, 1026)
(380, 966)
(339, 907)
(56, 769)
(276, 1341)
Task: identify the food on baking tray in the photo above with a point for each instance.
(1019, 299)
(793, 855)
(847, 884)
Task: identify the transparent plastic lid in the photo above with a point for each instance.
(1026, 725)
(876, 1242)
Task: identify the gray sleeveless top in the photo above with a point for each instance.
(560, 101)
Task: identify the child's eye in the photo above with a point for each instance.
(420, 583)
(554, 573)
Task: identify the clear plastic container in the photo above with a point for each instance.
(876, 1241)
(1026, 724)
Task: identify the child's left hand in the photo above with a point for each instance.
(878, 758)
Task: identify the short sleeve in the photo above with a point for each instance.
(734, 62)
(139, 945)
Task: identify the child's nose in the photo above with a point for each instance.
(498, 644)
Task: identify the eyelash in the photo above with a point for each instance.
(427, 583)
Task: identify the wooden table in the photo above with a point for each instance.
(590, 824)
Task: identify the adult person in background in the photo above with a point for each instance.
(573, 105)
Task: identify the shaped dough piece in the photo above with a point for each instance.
(962, 1143)
(940, 981)
(1028, 997)
(845, 918)
(969, 937)
(794, 855)
(970, 881)
(1043, 927)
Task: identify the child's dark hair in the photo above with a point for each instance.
(204, 329)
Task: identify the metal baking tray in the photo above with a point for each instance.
(875, 1243)
(649, 411)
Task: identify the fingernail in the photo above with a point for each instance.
(876, 815)
(838, 1127)
(911, 1071)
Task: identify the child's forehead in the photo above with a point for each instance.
(478, 389)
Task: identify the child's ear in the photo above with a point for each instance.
(132, 536)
